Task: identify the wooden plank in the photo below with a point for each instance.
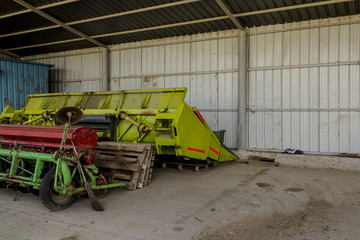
(149, 179)
(135, 180)
(129, 147)
(112, 174)
(104, 157)
(150, 166)
(116, 158)
(145, 159)
(122, 158)
(123, 176)
(186, 164)
(118, 165)
(181, 166)
(132, 167)
(113, 153)
(260, 163)
(260, 158)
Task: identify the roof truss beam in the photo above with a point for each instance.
(124, 32)
(305, 5)
(183, 23)
(40, 7)
(9, 54)
(103, 17)
(58, 22)
(229, 14)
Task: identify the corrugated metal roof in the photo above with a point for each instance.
(139, 21)
(9, 6)
(52, 35)
(96, 8)
(303, 14)
(23, 22)
(55, 48)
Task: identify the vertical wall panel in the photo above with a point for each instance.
(73, 67)
(206, 65)
(304, 86)
(18, 79)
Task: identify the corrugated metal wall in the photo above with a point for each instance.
(206, 64)
(18, 79)
(304, 86)
(74, 71)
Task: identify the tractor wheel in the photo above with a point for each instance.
(50, 198)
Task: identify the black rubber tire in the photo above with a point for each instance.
(49, 197)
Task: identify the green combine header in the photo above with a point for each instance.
(157, 116)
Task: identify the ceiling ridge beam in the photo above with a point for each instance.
(58, 22)
(292, 7)
(39, 7)
(160, 27)
(124, 32)
(166, 5)
(45, 44)
(229, 14)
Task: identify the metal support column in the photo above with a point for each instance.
(242, 125)
(105, 69)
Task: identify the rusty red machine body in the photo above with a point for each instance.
(47, 139)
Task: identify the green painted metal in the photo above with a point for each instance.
(31, 176)
(174, 127)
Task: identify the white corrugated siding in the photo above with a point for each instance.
(206, 64)
(304, 86)
(74, 71)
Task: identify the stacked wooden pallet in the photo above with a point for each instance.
(129, 163)
(180, 165)
(260, 161)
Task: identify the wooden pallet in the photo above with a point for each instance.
(130, 163)
(180, 166)
(260, 161)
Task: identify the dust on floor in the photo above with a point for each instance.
(319, 220)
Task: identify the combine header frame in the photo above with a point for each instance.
(153, 116)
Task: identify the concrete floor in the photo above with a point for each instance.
(179, 204)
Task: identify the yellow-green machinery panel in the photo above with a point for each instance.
(156, 116)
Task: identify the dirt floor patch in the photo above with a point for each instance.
(70, 238)
(263, 185)
(319, 220)
(231, 201)
(293, 189)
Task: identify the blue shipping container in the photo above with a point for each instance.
(18, 79)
